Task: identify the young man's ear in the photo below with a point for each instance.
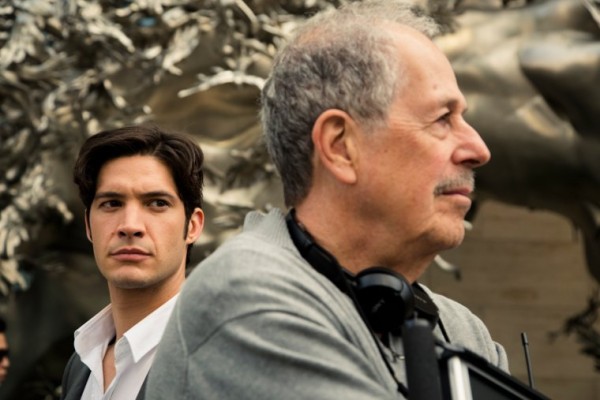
(334, 138)
(195, 226)
(88, 231)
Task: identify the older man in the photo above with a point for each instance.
(364, 120)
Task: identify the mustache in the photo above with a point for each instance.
(465, 179)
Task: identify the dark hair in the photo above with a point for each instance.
(177, 152)
(2, 325)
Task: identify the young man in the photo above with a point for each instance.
(364, 120)
(142, 191)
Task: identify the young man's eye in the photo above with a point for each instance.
(159, 203)
(108, 204)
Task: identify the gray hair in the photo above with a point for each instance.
(341, 58)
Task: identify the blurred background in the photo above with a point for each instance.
(530, 71)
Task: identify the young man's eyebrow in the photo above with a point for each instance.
(159, 193)
(152, 194)
(108, 194)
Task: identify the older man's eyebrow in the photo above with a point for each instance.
(453, 103)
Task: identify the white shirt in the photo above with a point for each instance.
(134, 352)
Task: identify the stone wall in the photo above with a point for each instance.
(524, 271)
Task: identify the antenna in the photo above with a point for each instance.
(527, 358)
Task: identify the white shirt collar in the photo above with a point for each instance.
(135, 350)
(95, 330)
(146, 334)
(91, 340)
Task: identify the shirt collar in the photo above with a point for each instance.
(97, 331)
(146, 334)
(92, 337)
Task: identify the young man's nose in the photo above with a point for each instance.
(132, 224)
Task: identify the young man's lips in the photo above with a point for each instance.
(130, 254)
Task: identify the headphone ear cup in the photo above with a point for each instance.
(385, 297)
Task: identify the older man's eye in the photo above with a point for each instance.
(445, 119)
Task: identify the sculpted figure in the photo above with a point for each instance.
(531, 77)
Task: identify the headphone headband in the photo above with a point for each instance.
(383, 297)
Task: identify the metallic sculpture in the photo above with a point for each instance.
(531, 77)
(68, 69)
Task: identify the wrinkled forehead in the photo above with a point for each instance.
(406, 37)
(415, 55)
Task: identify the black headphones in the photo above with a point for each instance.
(383, 297)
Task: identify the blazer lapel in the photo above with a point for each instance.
(74, 379)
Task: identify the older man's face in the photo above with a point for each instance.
(4, 360)
(417, 171)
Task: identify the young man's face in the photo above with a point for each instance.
(137, 225)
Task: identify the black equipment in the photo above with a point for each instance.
(389, 304)
(384, 297)
(467, 376)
